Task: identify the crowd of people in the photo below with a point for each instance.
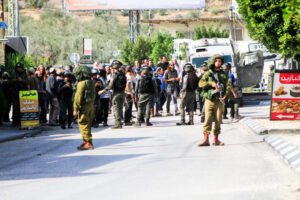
(118, 88)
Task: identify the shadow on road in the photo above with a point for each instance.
(55, 157)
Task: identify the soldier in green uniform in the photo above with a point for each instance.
(84, 105)
(147, 90)
(216, 85)
(117, 84)
(187, 93)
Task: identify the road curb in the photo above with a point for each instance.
(30, 133)
(290, 153)
(254, 126)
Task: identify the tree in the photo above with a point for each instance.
(126, 52)
(162, 44)
(139, 50)
(275, 24)
(203, 32)
(142, 48)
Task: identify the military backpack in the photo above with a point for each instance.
(120, 82)
(146, 85)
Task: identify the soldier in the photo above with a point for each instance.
(117, 84)
(216, 85)
(187, 93)
(147, 91)
(84, 105)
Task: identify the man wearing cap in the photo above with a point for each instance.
(117, 84)
(216, 85)
(147, 90)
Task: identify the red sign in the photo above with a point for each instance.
(289, 78)
(286, 97)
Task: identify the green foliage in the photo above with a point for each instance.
(210, 32)
(275, 24)
(36, 3)
(163, 12)
(56, 35)
(180, 34)
(183, 52)
(27, 60)
(144, 47)
(193, 14)
(162, 44)
(139, 50)
(126, 52)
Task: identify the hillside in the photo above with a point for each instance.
(55, 34)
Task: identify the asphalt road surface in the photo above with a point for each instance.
(158, 163)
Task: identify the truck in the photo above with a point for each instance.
(247, 60)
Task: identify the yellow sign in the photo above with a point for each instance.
(29, 108)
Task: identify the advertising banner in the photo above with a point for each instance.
(286, 96)
(81, 5)
(87, 47)
(29, 107)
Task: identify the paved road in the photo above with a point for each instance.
(159, 163)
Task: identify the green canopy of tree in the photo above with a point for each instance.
(210, 32)
(274, 23)
(145, 47)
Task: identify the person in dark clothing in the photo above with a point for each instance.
(42, 93)
(65, 95)
(19, 83)
(7, 88)
(98, 85)
(58, 87)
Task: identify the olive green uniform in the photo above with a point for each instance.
(84, 105)
(213, 106)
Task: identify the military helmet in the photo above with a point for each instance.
(217, 56)
(116, 64)
(204, 66)
(19, 64)
(82, 72)
(145, 69)
(188, 67)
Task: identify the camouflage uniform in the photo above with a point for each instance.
(84, 105)
(214, 106)
(118, 96)
(187, 94)
(146, 98)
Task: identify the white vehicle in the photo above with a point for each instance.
(200, 51)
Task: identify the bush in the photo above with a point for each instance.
(36, 3)
(163, 12)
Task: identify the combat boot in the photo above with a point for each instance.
(137, 124)
(86, 146)
(117, 127)
(205, 141)
(191, 119)
(217, 142)
(148, 123)
(182, 123)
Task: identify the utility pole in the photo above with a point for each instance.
(13, 18)
(134, 24)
